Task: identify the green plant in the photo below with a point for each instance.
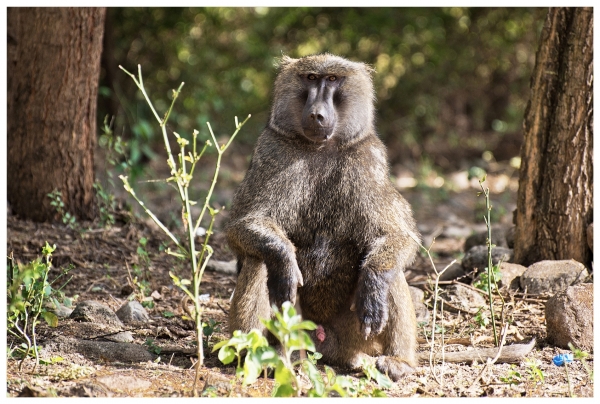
(581, 355)
(535, 374)
(56, 201)
(209, 328)
(28, 290)
(484, 283)
(513, 376)
(140, 285)
(142, 252)
(490, 276)
(152, 346)
(346, 386)
(116, 148)
(290, 330)
(106, 205)
(259, 355)
(181, 176)
(482, 318)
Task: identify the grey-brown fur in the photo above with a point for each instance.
(320, 219)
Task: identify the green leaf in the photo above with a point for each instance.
(315, 377)
(284, 390)
(252, 368)
(378, 393)
(284, 376)
(226, 354)
(50, 318)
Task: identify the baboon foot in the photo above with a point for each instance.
(393, 367)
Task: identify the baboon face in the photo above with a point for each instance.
(319, 116)
(321, 98)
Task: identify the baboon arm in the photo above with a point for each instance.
(258, 237)
(263, 239)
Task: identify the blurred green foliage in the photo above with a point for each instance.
(448, 80)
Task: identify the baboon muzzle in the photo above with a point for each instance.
(319, 116)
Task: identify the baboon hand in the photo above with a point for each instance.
(284, 283)
(371, 301)
(372, 314)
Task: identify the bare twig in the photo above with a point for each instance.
(489, 361)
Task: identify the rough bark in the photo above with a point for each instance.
(555, 198)
(53, 68)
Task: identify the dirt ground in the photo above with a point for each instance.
(106, 261)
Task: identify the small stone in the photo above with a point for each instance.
(453, 272)
(463, 298)
(125, 383)
(124, 336)
(498, 238)
(511, 274)
(133, 311)
(126, 290)
(570, 317)
(61, 311)
(552, 276)
(420, 309)
(476, 258)
(224, 267)
(95, 312)
(510, 236)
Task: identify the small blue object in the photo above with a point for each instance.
(561, 359)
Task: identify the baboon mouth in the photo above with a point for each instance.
(318, 135)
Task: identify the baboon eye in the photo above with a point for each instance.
(332, 78)
(312, 77)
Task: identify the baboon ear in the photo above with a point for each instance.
(284, 61)
(369, 69)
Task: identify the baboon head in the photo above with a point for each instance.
(323, 98)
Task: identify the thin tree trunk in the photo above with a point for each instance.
(53, 68)
(555, 198)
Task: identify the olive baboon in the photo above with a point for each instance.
(317, 218)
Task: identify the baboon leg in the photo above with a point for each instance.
(400, 337)
(250, 300)
(393, 351)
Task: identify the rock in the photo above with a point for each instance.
(60, 310)
(124, 383)
(126, 290)
(94, 312)
(124, 336)
(453, 272)
(85, 389)
(224, 267)
(476, 257)
(453, 231)
(463, 298)
(590, 236)
(420, 309)
(133, 311)
(552, 276)
(510, 236)
(511, 274)
(498, 238)
(100, 350)
(570, 317)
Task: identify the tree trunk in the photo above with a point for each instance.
(53, 68)
(555, 198)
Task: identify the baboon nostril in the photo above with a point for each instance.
(317, 117)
